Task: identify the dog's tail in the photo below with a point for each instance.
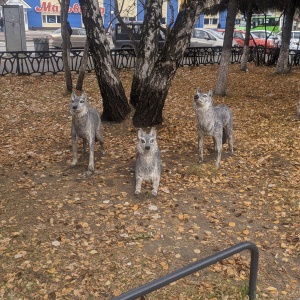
(224, 137)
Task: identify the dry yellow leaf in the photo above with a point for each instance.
(135, 207)
(180, 216)
(164, 265)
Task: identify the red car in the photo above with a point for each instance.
(239, 37)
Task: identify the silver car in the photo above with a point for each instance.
(77, 38)
(202, 37)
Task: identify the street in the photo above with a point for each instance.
(31, 34)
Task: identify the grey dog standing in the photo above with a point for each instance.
(148, 162)
(86, 124)
(216, 121)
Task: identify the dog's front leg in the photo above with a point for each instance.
(138, 184)
(200, 146)
(155, 185)
(91, 142)
(218, 143)
(74, 146)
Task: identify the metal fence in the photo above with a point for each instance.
(51, 62)
(197, 266)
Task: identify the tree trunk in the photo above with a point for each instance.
(83, 65)
(149, 40)
(115, 104)
(282, 66)
(222, 80)
(246, 49)
(149, 89)
(66, 44)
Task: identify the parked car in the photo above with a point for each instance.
(267, 34)
(207, 38)
(121, 39)
(294, 41)
(239, 37)
(77, 38)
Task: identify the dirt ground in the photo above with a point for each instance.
(67, 236)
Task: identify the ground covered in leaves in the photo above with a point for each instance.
(67, 236)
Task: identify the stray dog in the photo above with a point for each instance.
(86, 124)
(148, 163)
(216, 121)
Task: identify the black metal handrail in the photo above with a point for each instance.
(199, 265)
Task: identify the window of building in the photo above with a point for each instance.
(51, 19)
(211, 21)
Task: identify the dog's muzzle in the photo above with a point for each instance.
(147, 147)
(74, 107)
(196, 97)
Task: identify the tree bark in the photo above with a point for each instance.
(66, 44)
(149, 89)
(147, 55)
(282, 66)
(83, 65)
(246, 49)
(222, 80)
(115, 104)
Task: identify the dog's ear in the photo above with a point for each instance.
(153, 132)
(140, 133)
(73, 95)
(84, 96)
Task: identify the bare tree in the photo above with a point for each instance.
(149, 40)
(282, 63)
(64, 4)
(115, 104)
(222, 79)
(150, 88)
(246, 49)
(83, 65)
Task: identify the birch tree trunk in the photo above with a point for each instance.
(115, 104)
(83, 65)
(225, 61)
(246, 49)
(282, 66)
(66, 44)
(147, 55)
(153, 77)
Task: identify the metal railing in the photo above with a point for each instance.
(51, 62)
(199, 265)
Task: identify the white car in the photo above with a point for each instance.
(202, 37)
(294, 41)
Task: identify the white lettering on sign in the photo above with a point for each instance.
(48, 7)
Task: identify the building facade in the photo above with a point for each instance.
(45, 14)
